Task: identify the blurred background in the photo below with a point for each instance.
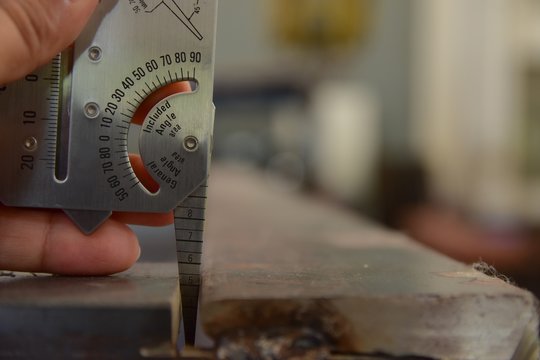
(423, 115)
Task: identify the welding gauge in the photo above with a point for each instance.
(122, 120)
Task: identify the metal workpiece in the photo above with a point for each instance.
(133, 315)
(279, 260)
(285, 276)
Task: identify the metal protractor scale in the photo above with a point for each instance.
(120, 121)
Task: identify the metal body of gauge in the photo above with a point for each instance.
(130, 100)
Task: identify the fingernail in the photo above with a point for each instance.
(139, 252)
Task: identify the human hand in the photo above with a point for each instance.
(32, 32)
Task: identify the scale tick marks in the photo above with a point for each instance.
(139, 95)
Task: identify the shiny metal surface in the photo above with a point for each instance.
(128, 52)
(124, 84)
(189, 220)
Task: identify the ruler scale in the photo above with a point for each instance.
(122, 120)
(51, 118)
(189, 220)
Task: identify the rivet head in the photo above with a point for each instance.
(30, 143)
(91, 110)
(191, 143)
(95, 53)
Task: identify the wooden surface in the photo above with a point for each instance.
(277, 260)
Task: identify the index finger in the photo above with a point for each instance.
(47, 241)
(33, 31)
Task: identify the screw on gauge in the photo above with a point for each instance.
(95, 53)
(91, 110)
(30, 143)
(191, 143)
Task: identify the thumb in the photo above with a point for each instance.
(33, 31)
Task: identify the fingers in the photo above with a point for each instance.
(33, 31)
(47, 241)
